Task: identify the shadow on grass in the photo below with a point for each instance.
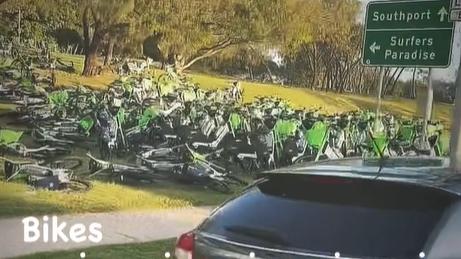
(197, 195)
(106, 196)
(406, 109)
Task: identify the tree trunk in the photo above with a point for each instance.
(19, 26)
(109, 52)
(392, 92)
(141, 48)
(314, 66)
(375, 80)
(182, 63)
(269, 72)
(91, 45)
(91, 64)
(388, 83)
(360, 84)
(179, 64)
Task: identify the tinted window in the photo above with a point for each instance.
(328, 215)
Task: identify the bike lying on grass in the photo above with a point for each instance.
(56, 176)
(179, 163)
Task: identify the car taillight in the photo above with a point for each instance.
(185, 246)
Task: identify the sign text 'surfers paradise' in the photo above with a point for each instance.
(408, 34)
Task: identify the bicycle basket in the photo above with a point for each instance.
(10, 136)
(316, 135)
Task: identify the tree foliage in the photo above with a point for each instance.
(192, 30)
(319, 40)
(323, 37)
(38, 20)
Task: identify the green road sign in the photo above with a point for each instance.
(410, 33)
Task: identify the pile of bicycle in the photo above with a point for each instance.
(176, 130)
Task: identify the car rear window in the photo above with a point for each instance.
(325, 215)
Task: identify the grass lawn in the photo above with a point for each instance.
(18, 200)
(7, 108)
(66, 79)
(154, 250)
(328, 102)
(77, 60)
(98, 82)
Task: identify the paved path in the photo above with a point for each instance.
(117, 228)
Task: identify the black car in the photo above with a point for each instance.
(396, 208)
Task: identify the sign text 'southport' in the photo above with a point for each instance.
(401, 16)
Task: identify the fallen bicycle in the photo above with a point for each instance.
(44, 177)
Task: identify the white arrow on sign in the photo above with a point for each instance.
(374, 47)
(443, 12)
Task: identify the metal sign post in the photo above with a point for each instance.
(455, 142)
(429, 103)
(430, 97)
(382, 73)
(455, 14)
(380, 91)
(19, 26)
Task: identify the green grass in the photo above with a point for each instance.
(7, 108)
(155, 250)
(19, 200)
(64, 79)
(327, 102)
(97, 83)
(5, 63)
(16, 200)
(78, 60)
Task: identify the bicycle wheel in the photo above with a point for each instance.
(104, 151)
(219, 186)
(304, 159)
(67, 163)
(160, 176)
(77, 185)
(233, 180)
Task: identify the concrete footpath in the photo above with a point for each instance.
(117, 228)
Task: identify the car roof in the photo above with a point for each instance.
(425, 171)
